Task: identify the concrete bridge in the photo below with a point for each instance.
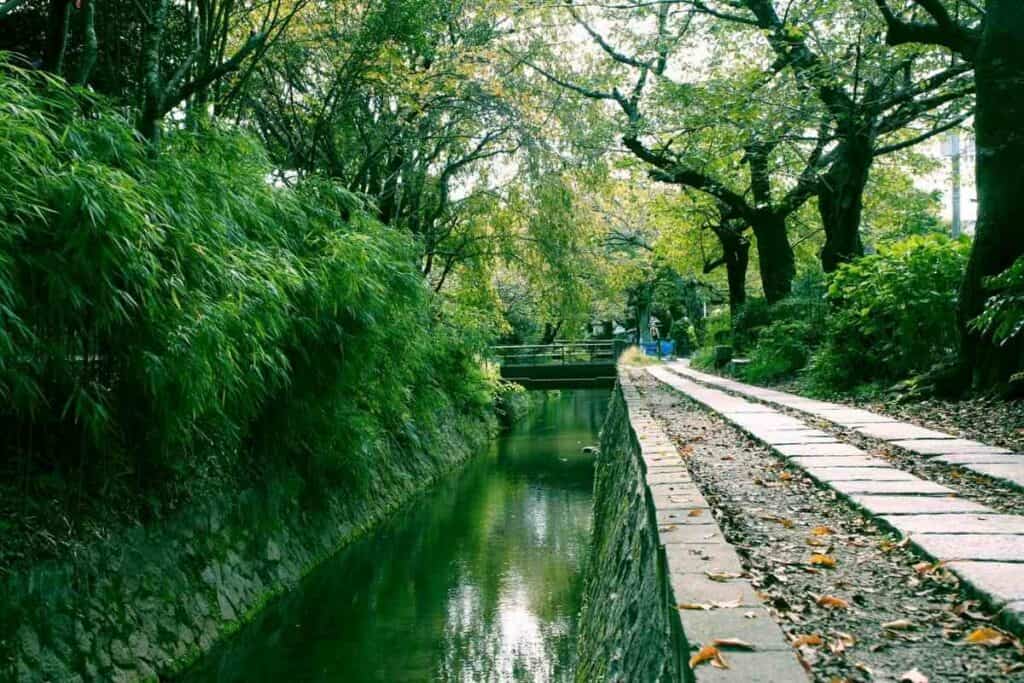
(561, 365)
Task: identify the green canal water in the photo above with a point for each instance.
(480, 580)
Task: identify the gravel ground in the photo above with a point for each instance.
(893, 615)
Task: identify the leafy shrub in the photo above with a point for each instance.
(161, 315)
(783, 348)
(1003, 317)
(893, 313)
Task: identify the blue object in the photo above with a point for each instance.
(668, 348)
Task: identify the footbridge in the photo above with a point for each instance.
(561, 365)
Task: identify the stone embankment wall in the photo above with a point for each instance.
(630, 629)
(145, 605)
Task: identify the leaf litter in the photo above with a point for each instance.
(878, 613)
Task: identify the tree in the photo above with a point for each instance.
(990, 37)
(869, 97)
(698, 135)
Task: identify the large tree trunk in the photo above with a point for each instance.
(736, 257)
(999, 131)
(774, 256)
(841, 202)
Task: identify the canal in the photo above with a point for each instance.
(480, 580)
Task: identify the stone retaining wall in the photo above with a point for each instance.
(148, 603)
(629, 627)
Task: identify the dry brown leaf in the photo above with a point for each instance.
(821, 560)
(708, 653)
(811, 640)
(913, 676)
(722, 577)
(817, 542)
(821, 531)
(899, 625)
(986, 635)
(923, 568)
(696, 513)
(695, 606)
(732, 643)
(833, 602)
(785, 476)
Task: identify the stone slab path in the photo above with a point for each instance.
(705, 570)
(991, 461)
(983, 548)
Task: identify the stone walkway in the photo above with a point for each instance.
(715, 600)
(983, 548)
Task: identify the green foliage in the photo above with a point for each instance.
(893, 313)
(1003, 317)
(157, 313)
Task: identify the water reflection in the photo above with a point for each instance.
(480, 581)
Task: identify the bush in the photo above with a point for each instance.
(783, 349)
(160, 315)
(1002, 320)
(893, 314)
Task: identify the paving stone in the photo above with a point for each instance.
(690, 533)
(990, 547)
(839, 461)
(819, 449)
(1012, 473)
(947, 446)
(677, 500)
(673, 487)
(780, 436)
(701, 557)
(697, 588)
(918, 505)
(969, 523)
(665, 475)
(975, 458)
(665, 517)
(917, 487)
(849, 417)
(1000, 582)
(758, 422)
(754, 667)
(830, 474)
(754, 625)
(661, 460)
(896, 431)
(744, 408)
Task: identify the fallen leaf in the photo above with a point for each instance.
(833, 602)
(722, 577)
(821, 531)
(923, 567)
(785, 476)
(696, 513)
(821, 560)
(817, 542)
(986, 635)
(732, 643)
(899, 625)
(811, 640)
(708, 653)
(695, 606)
(913, 676)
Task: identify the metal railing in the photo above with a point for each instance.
(560, 353)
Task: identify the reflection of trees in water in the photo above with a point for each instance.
(480, 581)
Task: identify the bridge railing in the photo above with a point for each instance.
(560, 353)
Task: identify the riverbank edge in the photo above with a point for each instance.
(148, 604)
(629, 627)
